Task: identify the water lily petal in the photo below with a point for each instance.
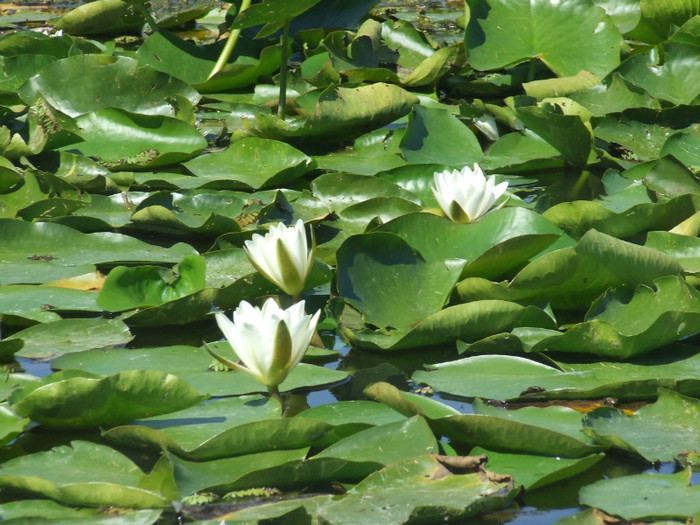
(269, 341)
(467, 194)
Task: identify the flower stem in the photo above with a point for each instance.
(282, 105)
(275, 392)
(230, 44)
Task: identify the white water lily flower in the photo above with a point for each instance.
(282, 256)
(269, 341)
(466, 195)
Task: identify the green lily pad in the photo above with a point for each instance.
(122, 140)
(192, 365)
(573, 277)
(68, 475)
(43, 252)
(107, 82)
(339, 191)
(496, 244)
(343, 412)
(79, 402)
(549, 432)
(436, 136)
(683, 248)
(349, 459)
(676, 79)
(69, 335)
(471, 321)
(504, 33)
(614, 95)
(272, 13)
(435, 487)
(625, 323)
(341, 113)
(11, 425)
(645, 496)
(567, 133)
(503, 377)
(43, 509)
(252, 163)
(370, 265)
(128, 288)
(201, 441)
(237, 473)
(17, 299)
(622, 214)
(657, 432)
(534, 472)
(166, 52)
(658, 19)
(101, 17)
(685, 146)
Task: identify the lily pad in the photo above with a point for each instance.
(363, 109)
(121, 140)
(68, 475)
(47, 509)
(645, 496)
(199, 441)
(496, 244)
(658, 432)
(43, 252)
(436, 136)
(503, 33)
(433, 486)
(192, 365)
(622, 323)
(534, 472)
(573, 277)
(503, 377)
(676, 79)
(106, 82)
(128, 288)
(80, 402)
(252, 163)
(65, 336)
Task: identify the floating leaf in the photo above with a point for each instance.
(106, 82)
(122, 140)
(573, 277)
(80, 402)
(645, 496)
(504, 32)
(47, 509)
(499, 242)
(69, 335)
(252, 163)
(503, 377)
(676, 79)
(192, 365)
(68, 474)
(42, 252)
(658, 432)
(534, 472)
(436, 136)
(127, 288)
(625, 323)
(341, 113)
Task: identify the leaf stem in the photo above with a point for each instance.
(146, 13)
(230, 44)
(282, 105)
